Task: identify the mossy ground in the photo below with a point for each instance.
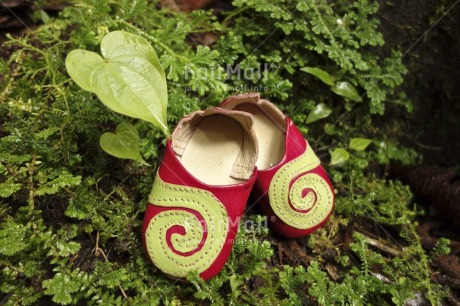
(70, 214)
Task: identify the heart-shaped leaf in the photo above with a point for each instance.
(329, 129)
(80, 64)
(359, 144)
(339, 156)
(124, 143)
(128, 78)
(321, 111)
(346, 90)
(320, 74)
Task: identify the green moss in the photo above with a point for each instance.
(71, 214)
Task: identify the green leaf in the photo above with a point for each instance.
(442, 247)
(320, 74)
(8, 188)
(128, 78)
(339, 156)
(80, 64)
(124, 143)
(346, 90)
(66, 249)
(12, 237)
(329, 129)
(321, 111)
(359, 144)
(61, 287)
(235, 283)
(62, 180)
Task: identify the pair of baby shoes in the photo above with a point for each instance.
(213, 161)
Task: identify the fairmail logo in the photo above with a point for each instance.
(260, 72)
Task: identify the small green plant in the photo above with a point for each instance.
(342, 88)
(340, 155)
(124, 143)
(127, 79)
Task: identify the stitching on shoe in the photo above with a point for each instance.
(213, 244)
(281, 200)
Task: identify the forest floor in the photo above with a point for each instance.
(433, 61)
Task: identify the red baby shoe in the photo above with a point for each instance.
(294, 190)
(200, 192)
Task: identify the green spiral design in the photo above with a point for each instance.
(215, 223)
(290, 204)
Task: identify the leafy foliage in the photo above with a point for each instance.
(128, 78)
(124, 143)
(71, 215)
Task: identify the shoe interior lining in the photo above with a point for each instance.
(216, 150)
(270, 131)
